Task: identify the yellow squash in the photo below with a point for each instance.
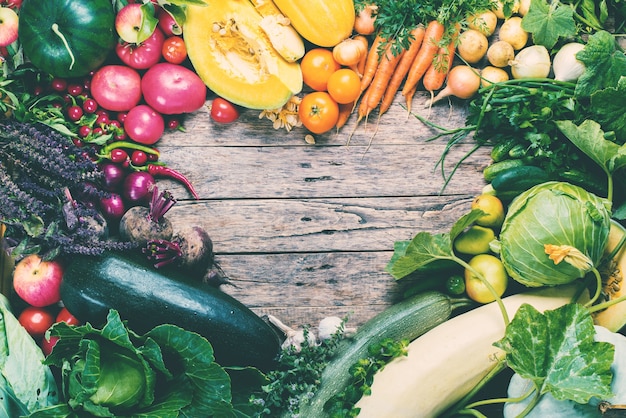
(324, 23)
(235, 58)
(614, 318)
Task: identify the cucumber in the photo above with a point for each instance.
(518, 151)
(493, 169)
(407, 319)
(588, 181)
(518, 179)
(146, 297)
(500, 151)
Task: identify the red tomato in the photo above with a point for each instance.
(145, 125)
(48, 345)
(116, 87)
(317, 65)
(65, 316)
(172, 89)
(318, 112)
(36, 321)
(344, 86)
(223, 111)
(144, 55)
(174, 50)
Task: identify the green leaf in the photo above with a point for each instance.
(604, 64)
(590, 139)
(549, 22)
(607, 108)
(557, 352)
(425, 248)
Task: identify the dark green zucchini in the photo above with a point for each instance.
(146, 297)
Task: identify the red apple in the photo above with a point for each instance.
(168, 24)
(8, 26)
(37, 281)
(134, 23)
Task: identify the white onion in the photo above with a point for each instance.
(531, 62)
(566, 66)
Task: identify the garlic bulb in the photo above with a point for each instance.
(565, 65)
(531, 62)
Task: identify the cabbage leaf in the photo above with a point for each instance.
(181, 377)
(556, 350)
(25, 382)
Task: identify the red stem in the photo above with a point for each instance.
(163, 171)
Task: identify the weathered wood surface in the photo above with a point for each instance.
(304, 231)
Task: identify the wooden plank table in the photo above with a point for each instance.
(304, 231)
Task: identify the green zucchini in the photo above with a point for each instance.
(146, 297)
(493, 169)
(407, 319)
(518, 179)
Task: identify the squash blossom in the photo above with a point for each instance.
(554, 233)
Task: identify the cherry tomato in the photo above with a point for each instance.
(65, 316)
(318, 112)
(223, 111)
(139, 158)
(36, 321)
(317, 65)
(174, 50)
(48, 345)
(344, 86)
(74, 113)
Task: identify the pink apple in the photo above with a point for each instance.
(134, 23)
(168, 24)
(38, 282)
(8, 26)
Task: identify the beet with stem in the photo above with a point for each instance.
(191, 248)
(141, 224)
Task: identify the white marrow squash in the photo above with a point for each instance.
(445, 363)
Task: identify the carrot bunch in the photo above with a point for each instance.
(388, 68)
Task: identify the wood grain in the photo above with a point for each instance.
(304, 231)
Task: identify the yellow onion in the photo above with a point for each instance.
(531, 62)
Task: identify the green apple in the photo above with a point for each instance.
(491, 269)
(474, 240)
(493, 208)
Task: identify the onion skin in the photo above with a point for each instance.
(531, 62)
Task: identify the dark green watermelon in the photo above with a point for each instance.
(54, 31)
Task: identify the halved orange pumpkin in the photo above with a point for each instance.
(235, 58)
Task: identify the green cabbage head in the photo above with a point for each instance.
(554, 233)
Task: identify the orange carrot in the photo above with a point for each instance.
(371, 64)
(345, 110)
(402, 69)
(386, 68)
(423, 59)
(438, 70)
(436, 74)
(360, 67)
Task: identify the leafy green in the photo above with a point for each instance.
(604, 64)
(362, 376)
(426, 248)
(607, 108)
(557, 352)
(549, 22)
(168, 372)
(296, 378)
(590, 139)
(25, 382)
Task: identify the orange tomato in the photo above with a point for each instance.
(317, 65)
(318, 112)
(344, 85)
